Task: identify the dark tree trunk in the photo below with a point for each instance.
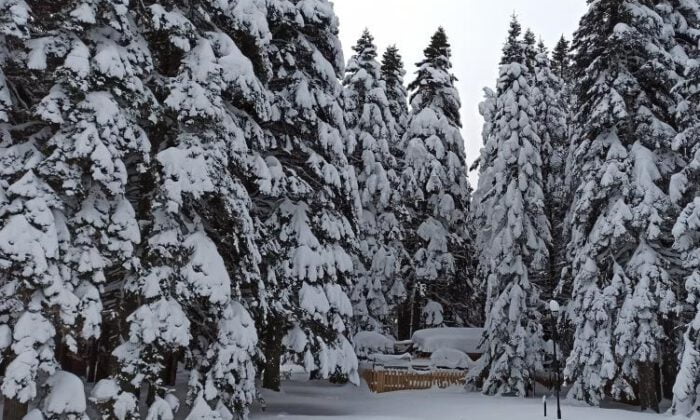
(151, 395)
(669, 355)
(170, 373)
(405, 329)
(70, 362)
(92, 363)
(648, 397)
(103, 364)
(668, 372)
(13, 410)
(272, 346)
(404, 320)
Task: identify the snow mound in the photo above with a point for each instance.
(368, 342)
(450, 359)
(430, 340)
(66, 397)
(391, 360)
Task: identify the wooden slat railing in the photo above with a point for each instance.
(393, 380)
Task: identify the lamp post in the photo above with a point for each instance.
(554, 309)
(420, 287)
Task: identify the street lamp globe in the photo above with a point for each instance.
(554, 306)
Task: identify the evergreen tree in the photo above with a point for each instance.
(622, 290)
(513, 49)
(683, 18)
(487, 110)
(186, 301)
(370, 122)
(530, 47)
(437, 192)
(514, 238)
(312, 209)
(561, 59)
(66, 177)
(393, 73)
(551, 124)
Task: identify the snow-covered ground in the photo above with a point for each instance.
(320, 400)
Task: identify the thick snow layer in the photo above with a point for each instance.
(368, 342)
(430, 340)
(318, 400)
(66, 397)
(450, 359)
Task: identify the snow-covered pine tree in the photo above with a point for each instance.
(187, 301)
(514, 236)
(686, 400)
(487, 110)
(29, 258)
(683, 19)
(77, 90)
(513, 49)
(312, 211)
(436, 189)
(393, 73)
(561, 58)
(530, 47)
(620, 230)
(551, 125)
(369, 119)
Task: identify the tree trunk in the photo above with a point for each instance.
(272, 346)
(170, 374)
(405, 327)
(648, 397)
(70, 362)
(404, 317)
(151, 395)
(668, 372)
(13, 410)
(92, 360)
(669, 355)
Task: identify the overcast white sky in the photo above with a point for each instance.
(477, 30)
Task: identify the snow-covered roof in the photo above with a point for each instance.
(467, 340)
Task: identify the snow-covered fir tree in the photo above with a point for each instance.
(561, 58)
(371, 125)
(620, 215)
(393, 73)
(513, 48)
(186, 301)
(312, 209)
(76, 88)
(436, 189)
(530, 48)
(514, 236)
(683, 19)
(551, 125)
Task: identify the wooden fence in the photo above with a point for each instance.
(394, 380)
